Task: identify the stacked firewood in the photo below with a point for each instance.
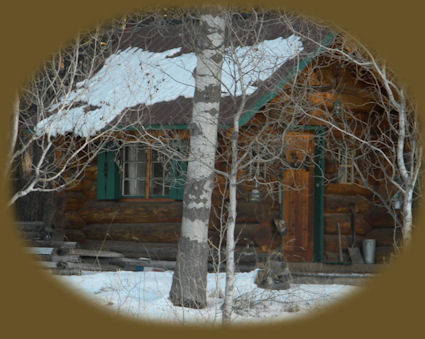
(68, 259)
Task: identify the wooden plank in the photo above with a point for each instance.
(54, 243)
(133, 249)
(86, 267)
(65, 258)
(332, 268)
(298, 197)
(86, 253)
(40, 250)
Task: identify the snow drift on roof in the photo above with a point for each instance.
(136, 76)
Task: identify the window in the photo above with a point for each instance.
(144, 172)
(345, 166)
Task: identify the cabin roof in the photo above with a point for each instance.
(149, 79)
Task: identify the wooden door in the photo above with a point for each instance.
(298, 196)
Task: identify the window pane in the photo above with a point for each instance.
(142, 154)
(140, 187)
(130, 171)
(141, 170)
(130, 153)
(154, 155)
(135, 153)
(134, 170)
(134, 188)
(157, 170)
(158, 188)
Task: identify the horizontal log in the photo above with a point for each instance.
(130, 264)
(72, 220)
(65, 258)
(86, 266)
(29, 235)
(73, 201)
(384, 236)
(48, 264)
(253, 212)
(86, 252)
(379, 217)
(346, 189)
(168, 251)
(90, 191)
(53, 243)
(106, 212)
(74, 235)
(133, 249)
(331, 242)
(91, 172)
(331, 221)
(384, 254)
(336, 203)
(258, 234)
(146, 232)
(30, 226)
(57, 271)
(333, 257)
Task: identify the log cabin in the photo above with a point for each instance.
(130, 199)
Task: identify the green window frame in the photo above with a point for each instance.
(144, 174)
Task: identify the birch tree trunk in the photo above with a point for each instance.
(190, 277)
(230, 229)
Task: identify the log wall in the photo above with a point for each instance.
(370, 222)
(85, 218)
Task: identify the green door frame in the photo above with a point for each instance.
(319, 188)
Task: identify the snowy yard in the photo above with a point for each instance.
(144, 295)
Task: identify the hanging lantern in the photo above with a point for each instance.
(396, 201)
(255, 195)
(337, 108)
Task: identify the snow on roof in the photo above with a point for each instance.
(135, 76)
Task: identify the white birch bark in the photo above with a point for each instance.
(189, 279)
(230, 229)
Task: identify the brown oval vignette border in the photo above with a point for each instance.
(34, 304)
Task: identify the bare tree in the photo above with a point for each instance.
(189, 279)
(372, 122)
(48, 162)
(252, 155)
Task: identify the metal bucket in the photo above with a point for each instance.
(369, 246)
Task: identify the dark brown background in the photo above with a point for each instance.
(34, 304)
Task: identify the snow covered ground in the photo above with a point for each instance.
(144, 295)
